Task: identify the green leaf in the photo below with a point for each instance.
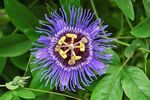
(50, 97)
(146, 4)
(15, 45)
(2, 63)
(115, 58)
(126, 7)
(22, 18)
(129, 51)
(66, 3)
(6, 96)
(25, 94)
(15, 97)
(109, 88)
(135, 84)
(142, 30)
(20, 61)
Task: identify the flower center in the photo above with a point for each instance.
(68, 47)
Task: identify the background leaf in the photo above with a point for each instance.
(146, 4)
(6, 96)
(20, 61)
(15, 45)
(2, 63)
(109, 88)
(50, 97)
(22, 18)
(135, 84)
(15, 97)
(126, 7)
(24, 93)
(142, 30)
(36, 83)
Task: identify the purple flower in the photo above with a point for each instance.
(71, 49)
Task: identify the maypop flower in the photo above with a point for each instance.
(71, 49)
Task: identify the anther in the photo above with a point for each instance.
(72, 36)
(62, 54)
(62, 40)
(71, 62)
(77, 57)
(82, 47)
(84, 40)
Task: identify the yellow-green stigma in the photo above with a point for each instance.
(66, 49)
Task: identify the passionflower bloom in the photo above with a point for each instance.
(71, 49)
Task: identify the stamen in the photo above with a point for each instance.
(71, 62)
(70, 47)
(84, 40)
(73, 59)
(82, 47)
(62, 40)
(72, 36)
(62, 54)
(77, 57)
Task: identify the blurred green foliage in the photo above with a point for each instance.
(127, 78)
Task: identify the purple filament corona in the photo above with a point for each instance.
(71, 49)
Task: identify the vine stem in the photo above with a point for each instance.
(26, 70)
(145, 58)
(2, 85)
(94, 9)
(96, 14)
(55, 93)
(129, 23)
(125, 37)
(126, 44)
(118, 72)
(126, 61)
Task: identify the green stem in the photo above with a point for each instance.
(15, 30)
(125, 62)
(117, 73)
(125, 37)
(145, 57)
(2, 85)
(126, 44)
(27, 67)
(33, 3)
(96, 14)
(1, 34)
(122, 66)
(121, 42)
(55, 93)
(94, 9)
(129, 23)
(121, 26)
